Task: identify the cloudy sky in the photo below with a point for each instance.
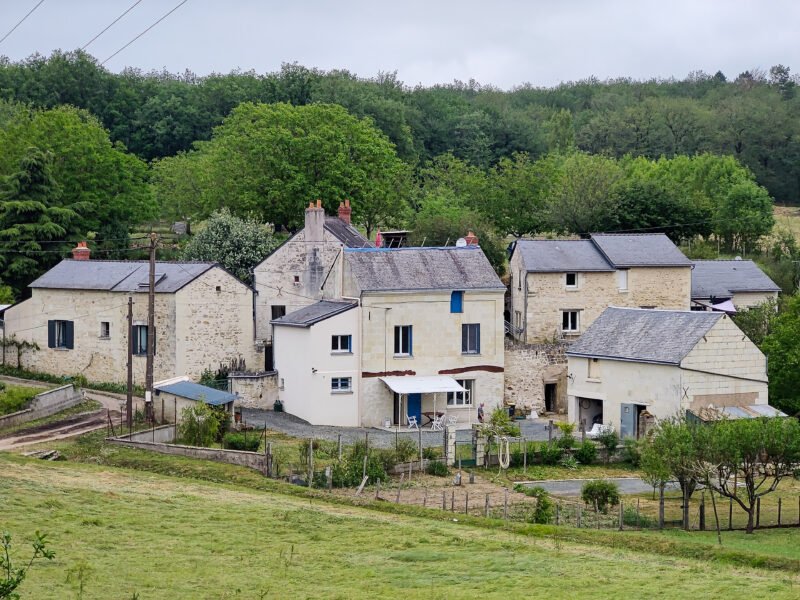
(501, 42)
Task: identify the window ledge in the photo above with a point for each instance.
(470, 354)
(61, 349)
(594, 380)
(340, 352)
(337, 392)
(103, 337)
(625, 291)
(402, 356)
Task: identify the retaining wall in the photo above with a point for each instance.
(254, 390)
(43, 405)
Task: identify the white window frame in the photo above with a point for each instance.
(398, 347)
(462, 399)
(567, 284)
(105, 325)
(622, 279)
(577, 321)
(341, 385)
(336, 344)
(473, 338)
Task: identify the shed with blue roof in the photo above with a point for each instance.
(172, 396)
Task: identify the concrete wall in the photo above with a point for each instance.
(528, 367)
(547, 296)
(306, 365)
(436, 348)
(258, 390)
(43, 405)
(196, 328)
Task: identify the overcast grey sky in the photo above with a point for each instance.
(504, 43)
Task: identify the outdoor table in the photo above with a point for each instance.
(430, 415)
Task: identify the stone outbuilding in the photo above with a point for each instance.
(632, 365)
(172, 396)
(730, 285)
(77, 316)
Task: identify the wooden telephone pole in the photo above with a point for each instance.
(151, 338)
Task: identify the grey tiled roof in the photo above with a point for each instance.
(399, 269)
(120, 275)
(659, 336)
(640, 250)
(561, 255)
(723, 278)
(196, 391)
(314, 313)
(346, 233)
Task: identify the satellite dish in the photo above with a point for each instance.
(461, 242)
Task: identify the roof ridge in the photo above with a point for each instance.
(629, 234)
(166, 262)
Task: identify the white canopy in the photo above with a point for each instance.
(412, 384)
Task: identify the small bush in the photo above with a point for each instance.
(632, 452)
(605, 493)
(629, 519)
(15, 398)
(237, 441)
(545, 510)
(566, 441)
(431, 453)
(386, 457)
(551, 456)
(586, 453)
(199, 425)
(437, 468)
(405, 449)
(348, 473)
(609, 439)
(569, 462)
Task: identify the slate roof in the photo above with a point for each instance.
(120, 275)
(642, 335)
(346, 233)
(195, 391)
(314, 313)
(640, 250)
(724, 278)
(406, 269)
(561, 255)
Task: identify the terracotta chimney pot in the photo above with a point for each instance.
(344, 211)
(81, 252)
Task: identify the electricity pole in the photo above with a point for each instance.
(129, 399)
(151, 338)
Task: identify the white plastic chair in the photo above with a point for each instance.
(452, 420)
(597, 429)
(437, 424)
(412, 421)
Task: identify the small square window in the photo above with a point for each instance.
(278, 311)
(219, 288)
(297, 278)
(341, 344)
(341, 384)
(402, 340)
(572, 280)
(105, 329)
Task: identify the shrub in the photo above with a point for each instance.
(566, 441)
(348, 472)
(437, 468)
(405, 449)
(545, 510)
(237, 441)
(569, 462)
(586, 453)
(632, 452)
(386, 457)
(609, 439)
(551, 456)
(603, 492)
(199, 425)
(14, 398)
(431, 453)
(629, 518)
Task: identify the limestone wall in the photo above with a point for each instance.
(528, 367)
(259, 390)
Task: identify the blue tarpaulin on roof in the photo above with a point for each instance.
(195, 391)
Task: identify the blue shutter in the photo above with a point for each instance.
(627, 421)
(457, 302)
(51, 334)
(69, 334)
(349, 343)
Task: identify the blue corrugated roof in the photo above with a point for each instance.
(195, 391)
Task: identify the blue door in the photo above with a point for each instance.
(627, 421)
(414, 406)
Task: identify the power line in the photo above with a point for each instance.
(105, 239)
(20, 21)
(112, 24)
(145, 31)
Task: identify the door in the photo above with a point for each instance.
(627, 421)
(414, 405)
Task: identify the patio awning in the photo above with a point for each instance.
(413, 384)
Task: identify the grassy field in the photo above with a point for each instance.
(175, 538)
(788, 217)
(85, 406)
(14, 397)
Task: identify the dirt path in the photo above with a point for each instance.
(66, 428)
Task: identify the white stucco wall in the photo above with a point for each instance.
(305, 366)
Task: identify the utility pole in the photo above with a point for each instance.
(129, 399)
(151, 317)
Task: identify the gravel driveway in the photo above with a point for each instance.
(296, 427)
(572, 487)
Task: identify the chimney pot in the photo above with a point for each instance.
(344, 211)
(319, 203)
(81, 252)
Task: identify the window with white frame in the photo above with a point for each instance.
(572, 280)
(471, 338)
(140, 340)
(105, 329)
(462, 398)
(402, 340)
(341, 344)
(341, 384)
(570, 321)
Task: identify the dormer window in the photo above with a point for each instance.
(572, 280)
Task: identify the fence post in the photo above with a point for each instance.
(175, 416)
(730, 514)
(425, 498)
(310, 461)
(550, 433)
(399, 487)
(466, 504)
(329, 477)
(377, 489)
(444, 500)
(486, 507)
(505, 504)
(583, 430)
(620, 515)
(340, 445)
(685, 509)
(596, 515)
(779, 511)
(269, 460)
(410, 470)
(703, 512)
(758, 512)
(637, 513)
(661, 507)
(364, 472)
(419, 435)
(557, 506)
(579, 516)
(524, 458)
(453, 501)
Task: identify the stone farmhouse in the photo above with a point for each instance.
(730, 285)
(77, 316)
(291, 277)
(559, 287)
(632, 366)
(400, 333)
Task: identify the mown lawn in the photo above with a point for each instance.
(179, 538)
(85, 406)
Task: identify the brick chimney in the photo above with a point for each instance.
(344, 211)
(471, 239)
(82, 252)
(315, 222)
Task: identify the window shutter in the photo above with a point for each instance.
(478, 338)
(456, 302)
(51, 334)
(69, 334)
